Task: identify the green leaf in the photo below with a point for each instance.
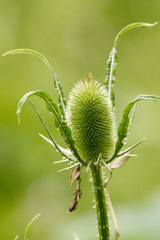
(130, 148)
(125, 123)
(131, 26)
(112, 60)
(60, 123)
(69, 168)
(65, 152)
(28, 226)
(57, 84)
(61, 150)
(132, 116)
(111, 74)
(51, 106)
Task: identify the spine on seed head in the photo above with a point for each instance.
(91, 119)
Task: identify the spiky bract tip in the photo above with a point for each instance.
(91, 119)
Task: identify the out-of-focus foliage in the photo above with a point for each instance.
(76, 37)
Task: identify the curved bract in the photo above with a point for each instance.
(90, 116)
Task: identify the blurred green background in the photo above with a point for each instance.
(76, 37)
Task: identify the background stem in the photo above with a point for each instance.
(100, 201)
(111, 210)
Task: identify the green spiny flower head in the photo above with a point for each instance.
(91, 119)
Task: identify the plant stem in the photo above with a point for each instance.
(100, 201)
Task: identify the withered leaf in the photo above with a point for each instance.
(75, 173)
(74, 204)
(120, 161)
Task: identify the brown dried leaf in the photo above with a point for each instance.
(74, 204)
(75, 173)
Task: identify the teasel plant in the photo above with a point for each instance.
(87, 124)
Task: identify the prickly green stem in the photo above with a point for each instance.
(100, 202)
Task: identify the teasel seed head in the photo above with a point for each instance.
(91, 118)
